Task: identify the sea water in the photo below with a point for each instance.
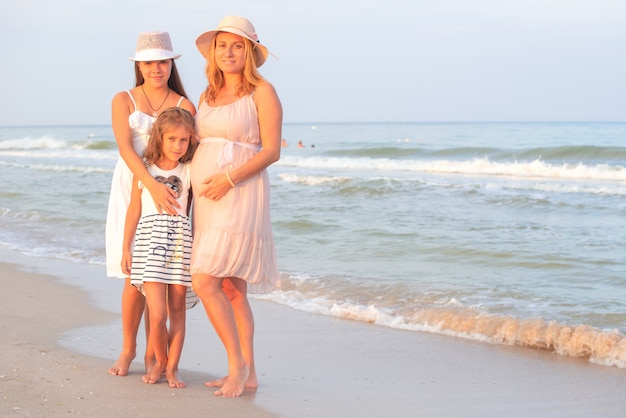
(509, 233)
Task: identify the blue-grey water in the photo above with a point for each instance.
(510, 233)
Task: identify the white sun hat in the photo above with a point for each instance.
(154, 46)
(239, 26)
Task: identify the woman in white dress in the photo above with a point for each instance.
(157, 87)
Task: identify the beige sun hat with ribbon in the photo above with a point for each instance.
(239, 26)
(154, 46)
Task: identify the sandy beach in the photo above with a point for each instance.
(309, 365)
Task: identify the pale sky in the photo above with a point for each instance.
(338, 60)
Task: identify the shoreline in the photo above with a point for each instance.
(40, 378)
(61, 333)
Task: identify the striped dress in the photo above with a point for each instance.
(162, 250)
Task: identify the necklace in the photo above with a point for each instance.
(155, 111)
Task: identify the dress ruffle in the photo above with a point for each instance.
(255, 259)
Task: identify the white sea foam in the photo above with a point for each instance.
(546, 185)
(605, 347)
(475, 166)
(58, 168)
(32, 143)
(311, 180)
(76, 154)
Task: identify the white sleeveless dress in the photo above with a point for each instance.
(119, 199)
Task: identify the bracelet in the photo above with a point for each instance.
(229, 179)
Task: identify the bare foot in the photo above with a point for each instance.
(234, 384)
(154, 375)
(217, 383)
(149, 369)
(251, 383)
(121, 366)
(174, 380)
(149, 362)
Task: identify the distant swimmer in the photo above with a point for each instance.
(300, 144)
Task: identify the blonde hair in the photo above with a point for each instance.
(167, 120)
(251, 76)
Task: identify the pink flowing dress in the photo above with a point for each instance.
(232, 237)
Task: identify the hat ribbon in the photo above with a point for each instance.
(251, 35)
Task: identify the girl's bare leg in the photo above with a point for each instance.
(177, 295)
(133, 303)
(220, 313)
(148, 358)
(156, 296)
(237, 292)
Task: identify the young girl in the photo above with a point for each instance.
(159, 263)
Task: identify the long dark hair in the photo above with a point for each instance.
(174, 82)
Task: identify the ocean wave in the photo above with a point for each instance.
(58, 168)
(30, 215)
(380, 152)
(604, 347)
(576, 153)
(552, 154)
(378, 184)
(35, 233)
(475, 166)
(87, 255)
(27, 143)
(312, 180)
(98, 145)
(49, 143)
(574, 188)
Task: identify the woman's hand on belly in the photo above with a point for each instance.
(215, 186)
